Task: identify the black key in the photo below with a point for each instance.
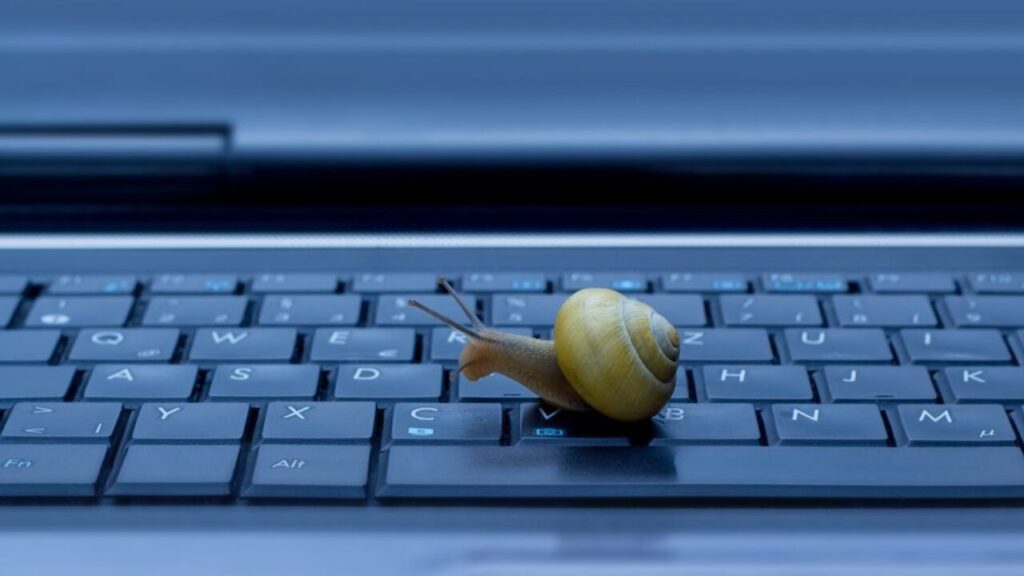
(195, 311)
(317, 310)
(944, 425)
(882, 311)
(309, 471)
(713, 345)
(35, 382)
(620, 282)
(756, 383)
(296, 283)
(874, 383)
(13, 284)
(959, 346)
(829, 424)
(795, 310)
(252, 344)
(194, 284)
(490, 282)
(319, 421)
(127, 382)
(397, 282)
(50, 470)
(706, 424)
(94, 284)
(704, 282)
(525, 309)
(364, 345)
(79, 311)
(446, 423)
(447, 344)
(90, 422)
(394, 310)
(27, 345)
(548, 425)
(156, 470)
(805, 283)
(125, 345)
(911, 282)
(985, 384)
(189, 422)
(838, 345)
(265, 381)
(588, 472)
(8, 305)
(494, 388)
(679, 310)
(389, 381)
(997, 283)
(986, 311)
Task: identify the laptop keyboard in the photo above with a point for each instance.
(285, 386)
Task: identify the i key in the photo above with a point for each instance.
(959, 346)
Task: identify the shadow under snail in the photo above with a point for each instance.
(610, 353)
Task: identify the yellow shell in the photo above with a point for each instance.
(617, 353)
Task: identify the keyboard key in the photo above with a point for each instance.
(944, 425)
(986, 311)
(805, 283)
(713, 345)
(251, 344)
(140, 382)
(319, 421)
(883, 311)
(446, 423)
(125, 345)
(796, 310)
(911, 282)
(756, 383)
(262, 381)
(494, 388)
(959, 346)
(997, 283)
(309, 471)
(35, 382)
(706, 424)
(79, 311)
(389, 382)
(319, 310)
(13, 284)
(525, 309)
(838, 345)
(91, 422)
(704, 282)
(194, 284)
(50, 470)
(28, 345)
(490, 282)
(297, 283)
(621, 282)
(190, 422)
(985, 384)
(364, 345)
(547, 425)
(195, 311)
(446, 344)
(155, 470)
(679, 310)
(874, 383)
(395, 310)
(94, 284)
(397, 282)
(829, 424)
(7, 307)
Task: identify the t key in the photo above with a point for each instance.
(82, 421)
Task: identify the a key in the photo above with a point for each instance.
(309, 471)
(262, 381)
(93, 284)
(81, 421)
(985, 384)
(446, 423)
(620, 282)
(35, 382)
(911, 282)
(877, 383)
(194, 284)
(158, 470)
(756, 383)
(704, 282)
(705, 424)
(446, 344)
(395, 282)
(79, 311)
(979, 424)
(490, 282)
(829, 424)
(805, 283)
(997, 282)
(364, 345)
(986, 311)
(389, 382)
(311, 310)
(549, 425)
(525, 309)
(15, 285)
(7, 307)
(679, 310)
(140, 382)
(394, 310)
(495, 387)
(955, 346)
(124, 345)
(190, 422)
(868, 311)
(730, 345)
(319, 421)
(294, 283)
(50, 470)
(837, 345)
(195, 311)
(771, 310)
(244, 344)
(27, 345)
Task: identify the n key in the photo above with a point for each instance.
(829, 424)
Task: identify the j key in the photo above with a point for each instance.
(874, 383)
(838, 345)
(494, 388)
(739, 345)
(679, 310)
(27, 345)
(389, 382)
(35, 382)
(7, 307)
(299, 283)
(882, 311)
(525, 309)
(756, 383)
(309, 471)
(704, 282)
(986, 311)
(985, 384)
(951, 425)
(255, 344)
(194, 284)
(997, 283)
(625, 282)
(13, 284)
(190, 422)
(91, 422)
(265, 381)
(140, 382)
(543, 424)
(447, 344)
(195, 311)
(155, 470)
(364, 345)
(911, 282)
(79, 311)
(125, 345)
(446, 423)
(959, 346)
(318, 310)
(319, 421)
(50, 470)
(784, 282)
(829, 424)
(490, 282)
(395, 310)
(398, 282)
(706, 424)
(98, 284)
(795, 310)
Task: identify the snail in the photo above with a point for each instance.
(610, 353)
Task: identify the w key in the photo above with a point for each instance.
(257, 344)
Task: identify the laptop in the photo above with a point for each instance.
(215, 214)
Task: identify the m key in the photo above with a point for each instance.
(980, 424)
